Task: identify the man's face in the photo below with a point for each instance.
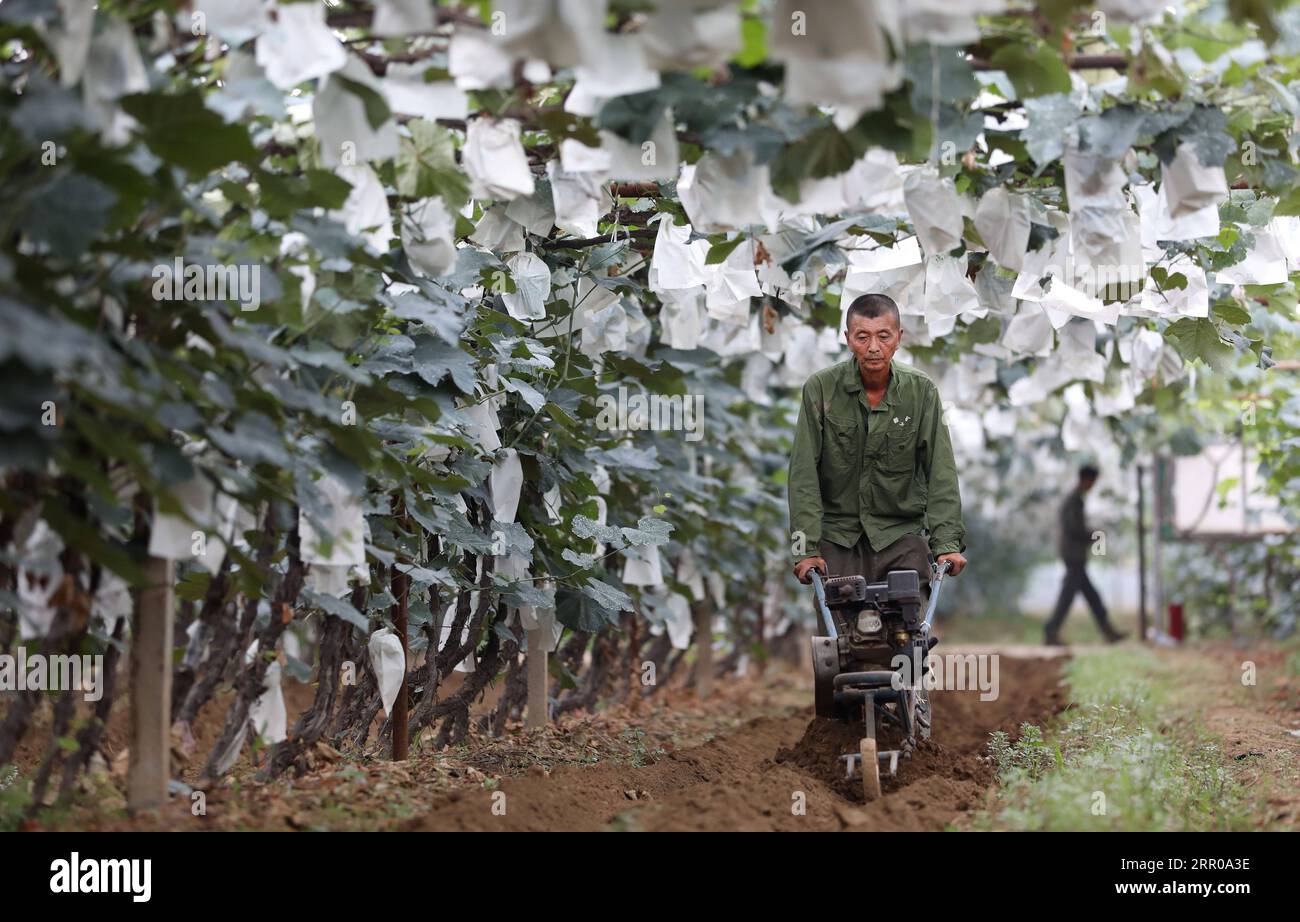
(873, 340)
(1086, 483)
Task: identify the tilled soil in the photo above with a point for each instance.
(773, 773)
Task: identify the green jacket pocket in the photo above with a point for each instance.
(842, 446)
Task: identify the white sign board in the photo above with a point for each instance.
(1203, 506)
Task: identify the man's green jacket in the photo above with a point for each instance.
(887, 471)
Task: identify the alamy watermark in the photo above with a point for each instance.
(1102, 280)
(949, 672)
(38, 672)
(103, 875)
(181, 281)
(657, 412)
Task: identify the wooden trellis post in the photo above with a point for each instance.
(704, 649)
(538, 673)
(149, 768)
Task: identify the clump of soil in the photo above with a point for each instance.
(818, 750)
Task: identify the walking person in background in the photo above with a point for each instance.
(1075, 544)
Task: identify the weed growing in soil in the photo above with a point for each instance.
(624, 822)
(1029, 754)
(1114, 761)
(13, 798)
(16, 799)
(640, 755)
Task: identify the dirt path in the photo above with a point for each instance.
(1258, 723)
(756, 777)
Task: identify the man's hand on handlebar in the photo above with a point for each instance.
(957, 560)
(808, 563)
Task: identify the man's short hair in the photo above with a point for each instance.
(868, 307)
(1088, 472)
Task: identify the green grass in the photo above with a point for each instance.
(1116, 760)
(13, 798)
(1293, 657)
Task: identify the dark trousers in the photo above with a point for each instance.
(910, 552)
(1076, 581)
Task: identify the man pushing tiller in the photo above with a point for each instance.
(873, 494)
